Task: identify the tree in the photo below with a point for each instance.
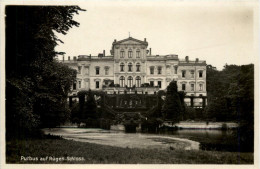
(172, 107)
(231, 98)
(36, 84)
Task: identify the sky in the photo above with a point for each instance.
(220, 33)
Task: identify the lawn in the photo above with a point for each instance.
(57, 150)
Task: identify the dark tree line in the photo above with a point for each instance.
(36, 84)
(231, 98)
(231, 93)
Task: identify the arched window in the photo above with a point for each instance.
(130, 81)
(130, 54)
(122, 53)
(122, 65)
(122, 81)
(138, 81)
(130, 67)
(138, 53)
(138, 67)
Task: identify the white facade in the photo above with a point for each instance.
(131, 64)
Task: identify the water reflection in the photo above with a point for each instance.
(219, 140)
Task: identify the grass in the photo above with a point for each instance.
(102, 154)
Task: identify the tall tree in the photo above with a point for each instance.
(172, 107)
(36, 84)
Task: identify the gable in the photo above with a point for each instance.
(130, 41)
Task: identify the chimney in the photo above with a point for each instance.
(104, 53)
(74, 58)
(68, 57)
(150, 51)
(197, 59)
(187, 58)
(63, 58)
(145, 39)
(115, 40)
(90, 55)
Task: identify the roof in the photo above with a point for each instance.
(130, 38)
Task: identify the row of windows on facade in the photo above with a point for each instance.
(97, 70)
(183, 73)
(192, 87)
(138, 69)
(138, 84)
(130, 54)
(122, 82)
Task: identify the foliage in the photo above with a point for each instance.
(36, 84)
(172, 108)
(231, 97)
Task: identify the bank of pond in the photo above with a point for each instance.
(216, 136)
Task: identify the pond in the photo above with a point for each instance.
(217, 140)
(181, 139)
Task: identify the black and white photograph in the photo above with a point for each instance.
(130, 82)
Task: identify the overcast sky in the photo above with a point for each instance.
(216, 32)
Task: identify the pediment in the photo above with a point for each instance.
(130, 41)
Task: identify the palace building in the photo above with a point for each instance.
(132, 67)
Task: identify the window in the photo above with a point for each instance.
(159, 70)
(122, 65)
(122, 54)
(130, 54)
(79, 84)
(97, 70)
(74, 87)
(201, 87)
(130, 81)
(175, 69)
(138, 81)
(183, 86)
(151, 70)
(192, 87)
(79, 69)
(159, 84)
(138, 67)
(97, 84)
(138, 53)
(86, 70)
(106, 70)
(130, 67)
(151, 83)
(192, 73)
(200, 73)
(183, 73)
(122, 81)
